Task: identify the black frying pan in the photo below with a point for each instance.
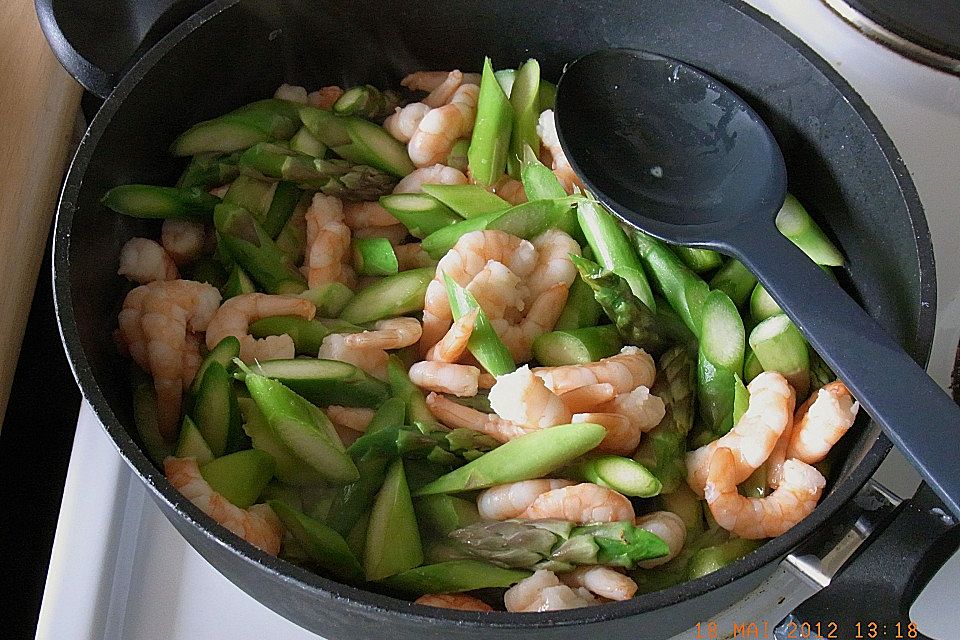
(840, 162)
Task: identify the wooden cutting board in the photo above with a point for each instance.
(38, 110)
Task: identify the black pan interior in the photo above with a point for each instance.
(840, 164)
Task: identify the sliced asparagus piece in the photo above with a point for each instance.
(286, 197)
(307, 143)
(762, 305)
(209, 170)
(239, 477)
(453, 576)
(722, 340)
(525, 101)
(795, 223)
(683, 289)
(374, 257)
(577, 346)
(457, 158)
(467, 200)
(581, 309)
(623, 475)
(307, 335)
(322, 544)
(366, 101)
(190, 443)
(529, 219)
(484, 343)
(711, 559)
(395, 295)
(329, 298)
(223, 353)
(440, 514)
(254, 250)
(326, 382)
(698, 260)
(442, 240)
(490, 142)
(539, 182)
(420, 213)
(148, 201)
(290, 469)
(735, 280)
(417, 412)
(371, 145)
(779, 346)
(263, 121)
(252, 193)
(216, 412)
(393, 539)
(237, 284)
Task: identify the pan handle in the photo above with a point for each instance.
(875, 591)
(149, 22)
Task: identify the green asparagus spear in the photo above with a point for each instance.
(722, 340)
(453, 576)
(795, 223)
(290, 469)
(326, 126)
(145, 417)
(710, 559)
(686, 504)
(395, 295)
(525, 101)
(506, 78)
(490, 142)
(393, 539)
(663, 448)
(280, 163)
(148, 201)
(442, 240)
(530, 544)
(292, 239)
(307, 335)
(325, 382)
(820, 372)
(417, 412)
(637, 324)
(366, 101)
(420, 213)
(239, 477)
(762, 305)
(780, 347)
(263, 121)
(548, 95)
(530, 456)
(683, 289)
(374, 257)
(741, 398)
(440, 514)
(190, 443)
(457, 158)
(248, 244)
(529, 219)
(303, 428)
(484, 342)
(223, 353)
(698, 260)
(577, 346)
(252, 193)
(322, 544)
(216, 412)
(307, 143)
(756, 485)
(392, 413)
(371, 145)
(735, 280)
(467, 200)
(539, 182)
(581, 309)
(751, 366)
(286, 197)
(613, 250)
(623, 475)
(209, 170)
(329, 298)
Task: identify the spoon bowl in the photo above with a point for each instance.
(675, 153)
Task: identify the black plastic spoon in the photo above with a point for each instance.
(676, 153)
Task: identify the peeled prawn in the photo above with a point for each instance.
(324, 97)
(292, 93)
(581, 503)
(821, 421)
(454, 342)
(328, 241)
(506, 501)
(236, 314)
(395, 233)
(437, 174)
(394, 333)
(258, 525)
(500, 292)
(156, 324)
(412, 256)
(757, 518)
(589, 397)
(457, 416)
(444, 377)
(667, 526)
(754, 437)
(372, 360)
(403, 123)
(510, 189)
(602, 581)
(643, 409)
(183, 240)
(622, 436)
(430, 80)
(358, 215)
(547, 130)
(522, 398)
(543, 591)
(354, 418)
(453, 601)
(144, 261)
(440, 128)
(631, 368)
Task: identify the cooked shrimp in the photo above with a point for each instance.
(394, 333)
(443, 92)
(372, 360)
(581, 503)
(437, 174)
(328, 241)
(667, 526)
(155, 323)
(602, 581)
(258, 525)
(510, 189)
(486, 380)
(773, 467)
(468, 257)
(754, 437)
(183, 240)
(404, 121)
(324, 97)
(292, 93)
(395, 233)
(587, 398)
(756, 518)
(358, 215)
(821, 422)
(506, 501)
(233, 318)
(445, 377)
(631, 368)
(642, 408)
(543, 591)
(453, 601)
(457, 416)
(454, 343)
(622, 436)
(547, 130)
(499, 291)
(353, 418)
(430, 80)
(144, 261)
(521, 397)
(440, 128)
(412, 256)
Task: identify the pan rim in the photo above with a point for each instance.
(325, 588)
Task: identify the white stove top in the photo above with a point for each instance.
(119, 570)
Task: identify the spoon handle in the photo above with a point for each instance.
(913, 411)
